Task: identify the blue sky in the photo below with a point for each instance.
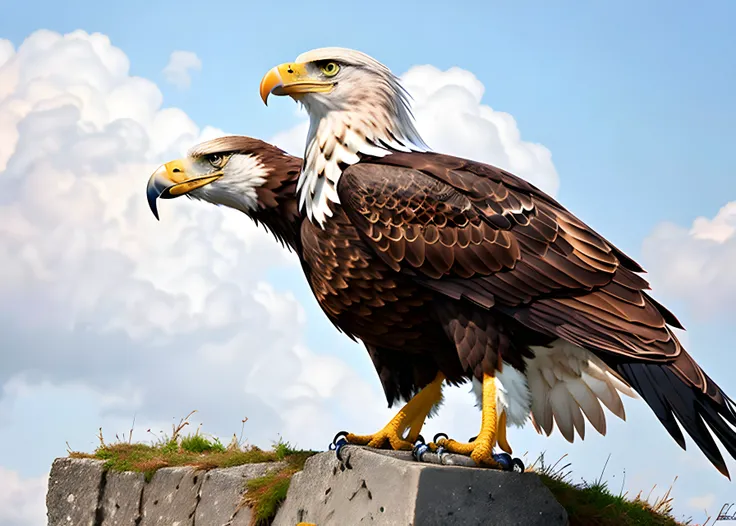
(635, 103)
(634, 99)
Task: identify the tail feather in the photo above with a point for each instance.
(680, 392)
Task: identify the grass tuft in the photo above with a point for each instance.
(264, 495)
(199, 444)
(593, 504)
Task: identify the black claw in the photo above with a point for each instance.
(342, 434)
(508, 463)
(420, 439)
(338, 448)
(338, 442)
(438, 436)
(505, 460)
(419, 450)
(473, 438)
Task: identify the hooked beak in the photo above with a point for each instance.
(291, 79)
(172, 180)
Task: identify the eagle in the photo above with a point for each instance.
(260, 180)
(452, 270)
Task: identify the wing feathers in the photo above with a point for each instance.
(469, 230)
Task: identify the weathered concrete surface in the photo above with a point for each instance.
(372, 488)
(223, 490)
(122, 498)
(74, 492)
(172, 497)
(367, 486)
(82, 493)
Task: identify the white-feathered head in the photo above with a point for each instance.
(239, 172)
(356, 107)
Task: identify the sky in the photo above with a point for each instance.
(624, 110)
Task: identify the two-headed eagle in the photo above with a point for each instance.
(453, 270)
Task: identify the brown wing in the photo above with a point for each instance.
(469, 230)
(469, 235)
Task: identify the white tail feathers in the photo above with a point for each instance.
(567, 382)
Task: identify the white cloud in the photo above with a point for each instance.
(157, 317)
(696, 264)
(452, 119)
(180, 67)
(7, 50)
(22, 500)
(719, 229)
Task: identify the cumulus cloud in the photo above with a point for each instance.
(452, 119)
(22, 501)
(696, 264)
(6, 50)
(155, 318)
(180, 68)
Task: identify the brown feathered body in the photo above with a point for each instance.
(441, 264)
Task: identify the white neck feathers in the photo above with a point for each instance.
(338, 137)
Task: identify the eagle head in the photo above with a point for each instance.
(239, 172)
(357, 107)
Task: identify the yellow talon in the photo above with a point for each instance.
(492, 431)
(411, 417)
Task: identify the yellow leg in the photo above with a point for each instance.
(501, 434)
(492, 431)
(411, 416)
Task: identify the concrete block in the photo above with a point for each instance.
(368, 487)
(74, 491)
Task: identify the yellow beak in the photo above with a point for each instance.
(172, 180)
(291, 79)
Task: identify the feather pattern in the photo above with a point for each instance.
(531, 275)
(339, 134)
(565, 380)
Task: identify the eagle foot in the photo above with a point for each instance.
(492, 434)
(388, 436)
(402, 432)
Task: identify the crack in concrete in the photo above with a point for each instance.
(363, 485)
(100, 511)
(139, 518)
(197, 499)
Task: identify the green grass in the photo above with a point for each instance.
(593, 504)
(147, 458)
(265, 494)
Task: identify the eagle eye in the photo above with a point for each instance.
(216, 159)
(329, 69)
